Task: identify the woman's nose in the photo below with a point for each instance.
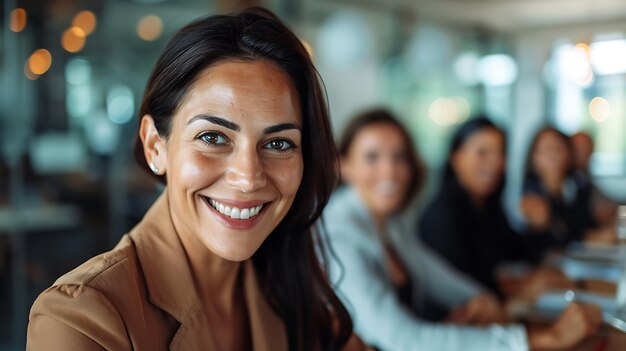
(245, 171)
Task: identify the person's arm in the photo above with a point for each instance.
(381, 319)
(75, 317)
(439, 279)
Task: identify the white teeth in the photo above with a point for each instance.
(387, 188)
(234, 212)
(245, 213)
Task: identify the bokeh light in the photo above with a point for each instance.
(73, 39)
(40, 61)
(445, 111)
(78, 101)
(344, 40)
(18, 20)
(599, 109)
(574, 62)
(150, 27)
(120, 104)
(497, 70)
(28, 73)
(85, 20)
(609, 56)
(78, 71)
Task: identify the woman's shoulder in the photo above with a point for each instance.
(86, 306)
(344, 209)
(114, 264)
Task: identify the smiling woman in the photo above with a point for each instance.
(226, 258)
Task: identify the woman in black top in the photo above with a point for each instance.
(465, 222)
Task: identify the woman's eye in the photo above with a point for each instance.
(279, 145)
(213, 139)
(371, 157)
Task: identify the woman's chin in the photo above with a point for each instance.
(236, 255)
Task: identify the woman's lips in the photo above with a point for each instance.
(243, 216)
(235, 212)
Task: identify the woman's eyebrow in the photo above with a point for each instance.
(216, 120)
(234, 126)
(280, 127)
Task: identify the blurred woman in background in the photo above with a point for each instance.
(465, 222)
(383, 274)
(552, 200)
(604, 209)
(235, 123)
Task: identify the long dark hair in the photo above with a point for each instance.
(290, 273)
(465, 131)
(530, 174)
(384, 116)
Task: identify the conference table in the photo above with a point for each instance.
(596, 269)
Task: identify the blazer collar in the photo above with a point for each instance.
(171, 288)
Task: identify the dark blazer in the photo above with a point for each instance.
(140, 296)
(570, 215)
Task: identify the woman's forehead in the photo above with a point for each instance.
(244, 90)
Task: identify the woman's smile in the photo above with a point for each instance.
(236, 214)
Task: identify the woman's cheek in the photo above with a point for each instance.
(197, 169)
(286, 174)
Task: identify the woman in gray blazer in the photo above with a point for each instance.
(384, 275)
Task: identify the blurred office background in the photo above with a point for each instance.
(73, 72)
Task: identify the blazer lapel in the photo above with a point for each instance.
(268, 330)
(168, 277)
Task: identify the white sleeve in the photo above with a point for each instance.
(439, 280)
(382, 321)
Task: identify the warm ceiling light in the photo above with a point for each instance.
(73, 39)
(444, 111)
(599, 109)
(149, 28)
(28, 73)
(18, 20)
(39, 62)
(85, 20)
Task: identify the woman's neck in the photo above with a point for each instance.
(380, 221)
(477, 201)
(553, 184)
(216, 279)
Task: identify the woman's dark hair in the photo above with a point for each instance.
(530, 172)
(289, 268)
(465, 131)
(383, 116)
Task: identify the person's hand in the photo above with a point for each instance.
(577, 322)
(355, 344)
(536, 210)
(482, 309)
(602, 235)
(540, 280)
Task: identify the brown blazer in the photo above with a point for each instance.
(140, 296)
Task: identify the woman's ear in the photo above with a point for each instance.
(153, 145)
